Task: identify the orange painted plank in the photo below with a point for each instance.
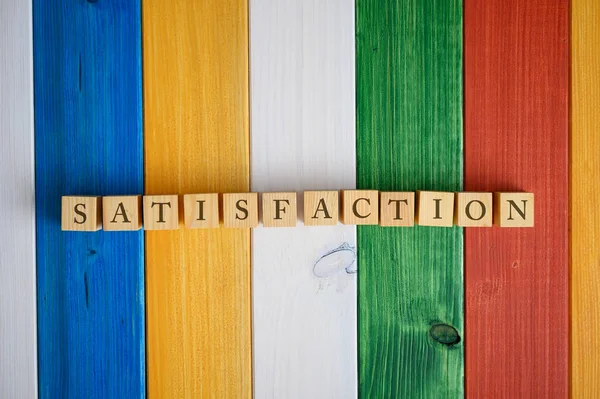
(516, 139)
(197, 140)
(585, 198)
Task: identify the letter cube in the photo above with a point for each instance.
(473, 210)
(161, 212)
(240, 210)
(397, 208)
(122, 212)
(279, 209)
(435, 208)
(514, 209)
(81, 213)
(360, 207)
(201, 210)
(321, 208)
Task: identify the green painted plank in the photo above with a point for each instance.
(409, 137)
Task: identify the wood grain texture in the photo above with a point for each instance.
(18, 352)
(409, 137)
(88, 141)
(516, 139)
(303, 137)
(585, 198)
(197, 140)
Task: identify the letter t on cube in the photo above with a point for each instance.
(397, 209)
(161, 212)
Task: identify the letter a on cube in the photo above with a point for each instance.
(321, 208)
(122, 213)
(82, 213)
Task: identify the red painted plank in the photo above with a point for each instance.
(516, 138)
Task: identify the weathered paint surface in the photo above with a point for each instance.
(88, 141)
(409, 137)
(585, 198)
(197, 140)
(517, 139)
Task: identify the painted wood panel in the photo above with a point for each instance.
(303, 137)
(409, 137)
(517, 139)
(585, 198)
(18, 359)
(88, 141)
(197, 140)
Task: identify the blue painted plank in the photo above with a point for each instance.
(88, 140)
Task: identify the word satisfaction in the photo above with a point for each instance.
(321, 208)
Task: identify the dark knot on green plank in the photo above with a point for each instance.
(444, 334)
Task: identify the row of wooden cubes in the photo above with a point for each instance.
(321, 208)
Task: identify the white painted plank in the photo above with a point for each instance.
(303, 137)
(18, 353)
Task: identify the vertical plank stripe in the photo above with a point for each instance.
(88, 141)
(516, 135)
(303, 138)
(409, 137)
(18, 358)
(585, 198)
(197, 140)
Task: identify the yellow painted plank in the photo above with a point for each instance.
(197, 140)
(585, 198)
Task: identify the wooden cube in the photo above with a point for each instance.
(161, 212)
(397, 208)
(321, 208)
(81, 213)
(279, 209)
(435, 208)
(240, 210)
(473, 209)
(201, 211)
(121, 213)
(513, 209)
(360, 207)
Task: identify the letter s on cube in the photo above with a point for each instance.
(81, 213)
(240, 210)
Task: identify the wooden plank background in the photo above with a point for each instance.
(517, 139)
(18, 351)
(409, 136)
(585, 198)
(303, 137)
(88, 141)
(197, 140)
